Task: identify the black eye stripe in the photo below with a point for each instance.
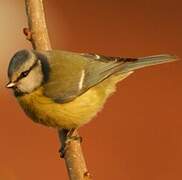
(25, 73)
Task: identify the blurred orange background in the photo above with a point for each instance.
(138, 135)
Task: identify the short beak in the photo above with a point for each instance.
(10, 85)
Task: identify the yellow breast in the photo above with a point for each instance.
(72, 114)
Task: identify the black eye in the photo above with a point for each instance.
(24, 74)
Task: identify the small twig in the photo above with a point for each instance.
(37, 34)
(27, 33)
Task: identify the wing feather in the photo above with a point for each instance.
(72, 74)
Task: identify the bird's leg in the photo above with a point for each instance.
(70, 136)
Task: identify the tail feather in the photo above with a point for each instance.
(149, 61)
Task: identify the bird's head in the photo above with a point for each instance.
(25, 71)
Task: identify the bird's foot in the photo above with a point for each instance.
(73, 138)
(69, 138)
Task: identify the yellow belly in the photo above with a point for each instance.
(72, 114)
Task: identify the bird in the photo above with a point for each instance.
(65, 90)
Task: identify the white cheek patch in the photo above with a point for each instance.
(32, 81)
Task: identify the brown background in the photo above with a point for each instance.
(138, 135)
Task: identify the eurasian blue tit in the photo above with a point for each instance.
(65, 89)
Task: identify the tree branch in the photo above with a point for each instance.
(74, 159)
(37, 25)
(37, 33)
